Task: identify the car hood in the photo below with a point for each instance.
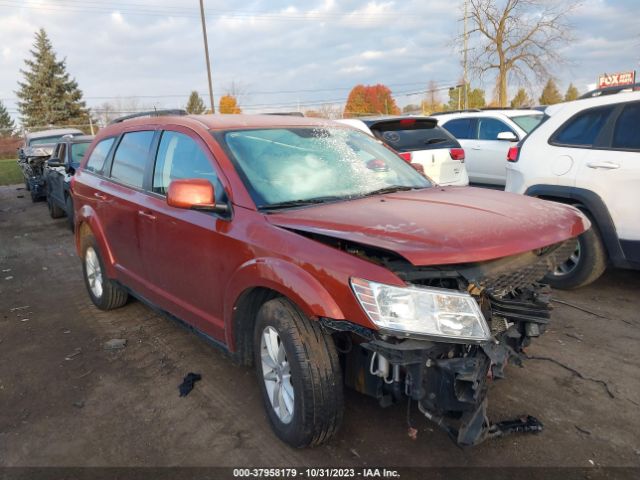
(438, 226)
(42, 150)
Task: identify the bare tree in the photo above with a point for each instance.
(519, 38)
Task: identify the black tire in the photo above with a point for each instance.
(112, 295)
(27, 186)
(54, 210)
(316, 376)
(590, 265)
(71, 219)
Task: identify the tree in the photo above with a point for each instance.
(6, 122)
(195, 105)
(432, 102)
(368, 99)
(519, 38)
(48, 95)
(572, 93)
(521, 99)
(229, 104)
(550, 94)
(475, 97)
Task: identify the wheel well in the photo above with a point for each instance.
(244, 317)
(83, 231)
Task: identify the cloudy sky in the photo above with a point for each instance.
(280, 54)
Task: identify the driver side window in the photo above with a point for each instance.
(180, 157)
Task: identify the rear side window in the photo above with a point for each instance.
(77, 152)
(626, 134)
(179, 156)
(461, 128)
(131, 157)
(489, 128)
(405, 137)
(99, 155)
(583, 129)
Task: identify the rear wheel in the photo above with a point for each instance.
(299, 375)
(585, 265)
(104, 292)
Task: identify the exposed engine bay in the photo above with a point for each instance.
(31, 161)
(449, 379)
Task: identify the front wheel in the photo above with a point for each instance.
(299, 375)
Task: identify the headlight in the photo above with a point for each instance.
(434, 312)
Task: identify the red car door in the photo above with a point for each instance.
(185, 252)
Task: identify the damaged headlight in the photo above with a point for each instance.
(436, 312)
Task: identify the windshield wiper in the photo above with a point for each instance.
(394, 188)
(435, 140)
(299, 203)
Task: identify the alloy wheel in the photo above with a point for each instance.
(276, 372)
(94, 272)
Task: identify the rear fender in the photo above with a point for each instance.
(88, 223)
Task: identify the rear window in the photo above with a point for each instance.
(460, 128)
(527, 122)
(625, 134)
(583, 129)
(406, 136)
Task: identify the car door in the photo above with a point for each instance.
(118, 200)
(184, 250)
(55, 175)
(611, 168)
(489, 152)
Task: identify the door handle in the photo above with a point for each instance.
(475, 147)
(100, 196)
(148, 215)
(603, 164)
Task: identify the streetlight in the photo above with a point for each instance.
(206, 53)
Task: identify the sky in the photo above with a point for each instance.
(282, 54)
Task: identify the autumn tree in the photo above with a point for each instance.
(571, 94)
(431, 102)
(195, 104)
(229, 104)
(6, 122)
(48, 95)
(370, 99)
(518, 38)
(475, 97)
(550, 94)
(521, 99)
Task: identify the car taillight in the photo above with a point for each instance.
(406, 156)
(513, 154)
(457, 154)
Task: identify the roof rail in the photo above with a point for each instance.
(150, 113)
(454, 111)
(611, 90)
(290, 114)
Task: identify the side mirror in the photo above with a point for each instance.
(194, 194)
(508, 136)
(54, 162)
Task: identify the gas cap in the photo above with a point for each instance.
(562, 165)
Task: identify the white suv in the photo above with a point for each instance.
(486, 136)
(587, 153)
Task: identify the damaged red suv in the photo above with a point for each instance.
(313, 252)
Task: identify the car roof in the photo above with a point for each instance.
(78, 139)
(584, 103)
(53, 132)
(507, 112)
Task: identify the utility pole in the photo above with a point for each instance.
(465, 79)
(206, 53)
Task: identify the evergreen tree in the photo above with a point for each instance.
(550, 93)
(6, 123)
(521, 99)
(572, 93)
(48, 95)
(195, 105)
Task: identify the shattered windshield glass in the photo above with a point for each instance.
(288, 166)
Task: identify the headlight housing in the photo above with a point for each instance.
(435, 312)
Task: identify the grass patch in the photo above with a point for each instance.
(10, 173)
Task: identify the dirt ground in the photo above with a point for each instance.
(66, 401)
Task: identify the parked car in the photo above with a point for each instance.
(58, 171)
(587, 154)
(313, 252)
(36, 150)
(419, 141)
(486, 136)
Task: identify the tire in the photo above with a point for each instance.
(27, 186)
(587, 267)
(109, 295)
(54, 210)
(34, 196)
(314, 375)
(71, 219)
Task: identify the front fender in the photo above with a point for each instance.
(285, 278)
(87, 218)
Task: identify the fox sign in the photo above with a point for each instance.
(616, 79)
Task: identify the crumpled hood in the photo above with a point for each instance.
(438, 226)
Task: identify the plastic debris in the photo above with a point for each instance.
(188, 383)
(115, 344)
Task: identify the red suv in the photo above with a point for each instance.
(312, 251)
